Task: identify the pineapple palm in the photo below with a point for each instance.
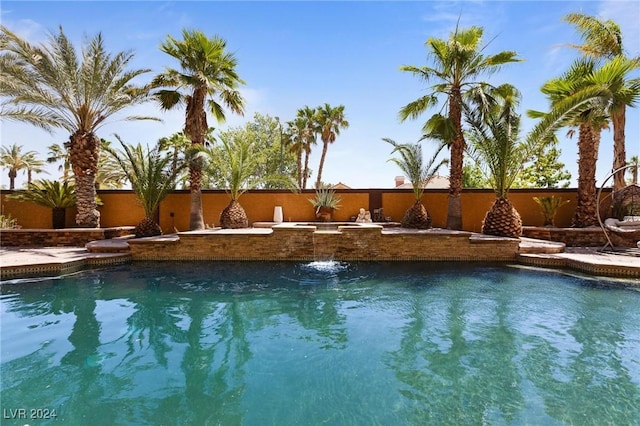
(50, 87)
(152, 175)
(411, 162)
(495, 145)
(237, 166)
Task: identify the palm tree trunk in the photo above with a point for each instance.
(299, 165)
(12, 178)
(84, 149)
(321, 165)
(454, 207)
(195, 128)
(618, 117)
(305, 173)
(588, 142)
(196, 217)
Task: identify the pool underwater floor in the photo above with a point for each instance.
(27, 262)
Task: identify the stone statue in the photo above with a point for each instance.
(367, 217)
(361, 216)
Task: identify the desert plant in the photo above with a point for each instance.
(8, 222)
(549, 207)
(152, 175)
(326, 202)
(237, 167)
(50, 193)
(412, 164)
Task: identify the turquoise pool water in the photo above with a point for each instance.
(315, 344)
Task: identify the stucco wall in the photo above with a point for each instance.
(121, 208)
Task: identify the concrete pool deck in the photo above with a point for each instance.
(26, 262)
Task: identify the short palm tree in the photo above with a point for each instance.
(207, 74)
(330, 121)
(152, 176)
(458, 63)
(52, 194)
(12, 158)
(496, 147)
(237, 167)
(412, 164)
(51, 87)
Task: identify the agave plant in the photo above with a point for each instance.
(412, 164)
(326, 202)
(152, 175)
(50, 193)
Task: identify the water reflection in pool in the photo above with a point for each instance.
(321, 343)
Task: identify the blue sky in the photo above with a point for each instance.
(298, 53)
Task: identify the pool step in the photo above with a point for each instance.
(534, 246)
(114, 245)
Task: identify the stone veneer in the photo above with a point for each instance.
(576, 237)
(306, 243)
(67, 237)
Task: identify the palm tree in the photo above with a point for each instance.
(585, 93)
(296, 132)
(603, 40)
(14, 159)
(207, 74)
(330, 120)
(152, 175)
(412, 164)
(50, 87)
(458, 62)
(57, 153)
(307, 118)
(237, 166)
(52, 194)
(495, 145)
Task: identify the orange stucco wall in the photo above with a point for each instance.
(121, 208)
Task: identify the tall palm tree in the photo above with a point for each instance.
(57, 153)
(12, 158)
(587, 90)
(458, 63)
(152, 176)
(51, 87)
(412, 164)
(296, 130)
(330, 121)
(603, 41)
(310, 129)
(208, 75)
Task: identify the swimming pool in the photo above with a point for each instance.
(320, 343)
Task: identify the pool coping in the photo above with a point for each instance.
(30, 262)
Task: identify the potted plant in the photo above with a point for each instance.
(326, 202)
(549, 207)
(53, 194)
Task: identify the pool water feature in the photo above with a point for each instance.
(320, 343)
